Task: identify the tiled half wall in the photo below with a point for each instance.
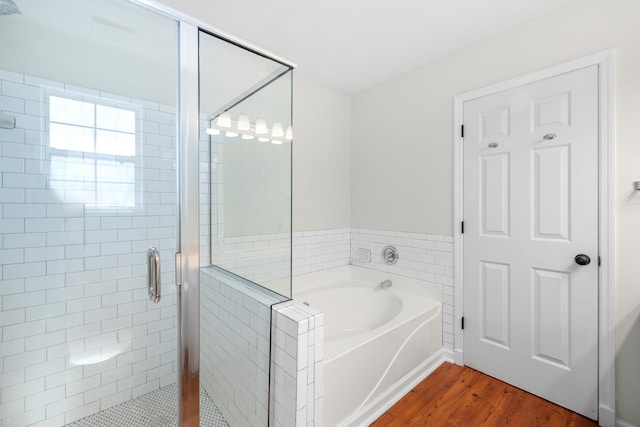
(235, 320)
(297, 366)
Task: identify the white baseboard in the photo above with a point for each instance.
(373, 410)
(457, 357)
(606, 416)
(623, 423)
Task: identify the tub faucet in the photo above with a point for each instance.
(386, 284)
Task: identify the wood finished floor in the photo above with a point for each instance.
(460, 396)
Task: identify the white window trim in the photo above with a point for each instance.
(137, 159)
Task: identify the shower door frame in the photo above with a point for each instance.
(188, 231)
(187, 260)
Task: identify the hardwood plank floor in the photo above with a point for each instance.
(460, 396)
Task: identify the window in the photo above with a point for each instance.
(93, 151)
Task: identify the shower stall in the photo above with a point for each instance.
(145, 217)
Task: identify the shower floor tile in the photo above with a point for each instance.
(156, 409)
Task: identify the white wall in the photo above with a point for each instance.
(321, 157)
(402, 154)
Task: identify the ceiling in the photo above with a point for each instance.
(346, 45)
(352, 45)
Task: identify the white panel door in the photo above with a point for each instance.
(530, 207)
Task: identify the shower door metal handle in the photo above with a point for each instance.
(153, 274)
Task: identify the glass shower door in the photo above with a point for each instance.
(87, 187)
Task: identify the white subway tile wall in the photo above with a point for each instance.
(425, 257)
(320, 250)
(78, 333)
(297, 366)
(235, 329)
(253, 257)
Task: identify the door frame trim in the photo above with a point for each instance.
(606, 233)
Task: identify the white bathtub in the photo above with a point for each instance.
(374, 337)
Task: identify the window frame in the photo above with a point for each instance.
(136, 159)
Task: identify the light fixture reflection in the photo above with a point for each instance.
(243, 123)
(224, 123)
(224, 120)
(261, 127)
(277, 131)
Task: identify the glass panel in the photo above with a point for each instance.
(71, 111)
(116, 119)
(69, 137)
(246, 103)
(245, 212)
(87, 185)
(116, 143)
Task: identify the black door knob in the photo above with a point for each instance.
(582, 259)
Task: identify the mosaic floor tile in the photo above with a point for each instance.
(156, 409)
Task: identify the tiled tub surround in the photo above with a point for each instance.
(77, 331)
(378, 340)
(320, 250)
(424, 257)
(265, 259)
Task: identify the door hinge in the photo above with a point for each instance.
(462, 323)
(599, 261)
(178, 269)
(461, 131)
(462, 227)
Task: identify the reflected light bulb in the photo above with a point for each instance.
(244, 123)
(213, 131)
(276, 141)
(277, 131)
(289, 134)
(261, 127)
(231, 134)
(262, 139)
(247, 136)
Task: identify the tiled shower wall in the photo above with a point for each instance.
(73, 278)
